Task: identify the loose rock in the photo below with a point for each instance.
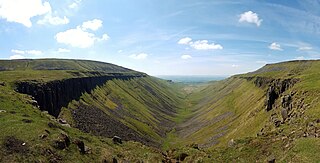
(117, 140)
(81, 146)
(62, 142)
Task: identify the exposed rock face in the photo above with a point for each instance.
(54, 95)
(275, 89)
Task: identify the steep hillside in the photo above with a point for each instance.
(68, 111)
(272, 113)
(42, 99)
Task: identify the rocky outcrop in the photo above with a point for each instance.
(276, 88)
(53, 95)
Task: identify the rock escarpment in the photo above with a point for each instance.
(275, 87)
(53, 95)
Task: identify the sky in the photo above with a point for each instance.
(163, 37)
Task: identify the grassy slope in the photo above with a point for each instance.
(234, 109)
(16, 109)
(147, 105)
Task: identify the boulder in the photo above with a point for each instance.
(117, 140)
(284, 114)
(3, 111)
(271, 159)
(63, 142)
(81, 146)
(285, 101)
(231, 143)
(43, 136)
(182, 156)
(27, 120)
(2, 83)
(33, 103)
(62, 121)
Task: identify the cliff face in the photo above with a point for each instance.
(275, 87)
(54, 95)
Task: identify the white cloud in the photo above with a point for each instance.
(200, 44)
(186, 56)
(250, 17)
(305, 48)
(203, 45)
(80, 37)
(234, 66)
(21, 11)
(120, 51)
(53, 20)
(94, 24)
(139, 56)
(275, 46)
(16, 56)
(33, 52)
(75, 4)
(104, 37)
(62, 50)
(300, 58)
(184, 41)
(17, 51)
(76, 38)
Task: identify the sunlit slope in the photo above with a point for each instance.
(143, 109)
(272, 112)
(129, 104)
(60, 64)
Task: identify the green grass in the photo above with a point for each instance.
(147, 102)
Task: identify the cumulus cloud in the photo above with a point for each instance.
(94, 24)
(275, 46)
(53, 20)
(104, 37)
(80, 37)
(74, 4)
(204, 45)
(250, 17)
(186, 56)
(17, 51)
(76, 38)
(33, 52)
(139, 56)
(200, 44)
(305, 48)
(16, 56)
(62, 50)
(21, 11)
(184, 41)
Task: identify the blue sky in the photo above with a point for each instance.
(163, 37)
